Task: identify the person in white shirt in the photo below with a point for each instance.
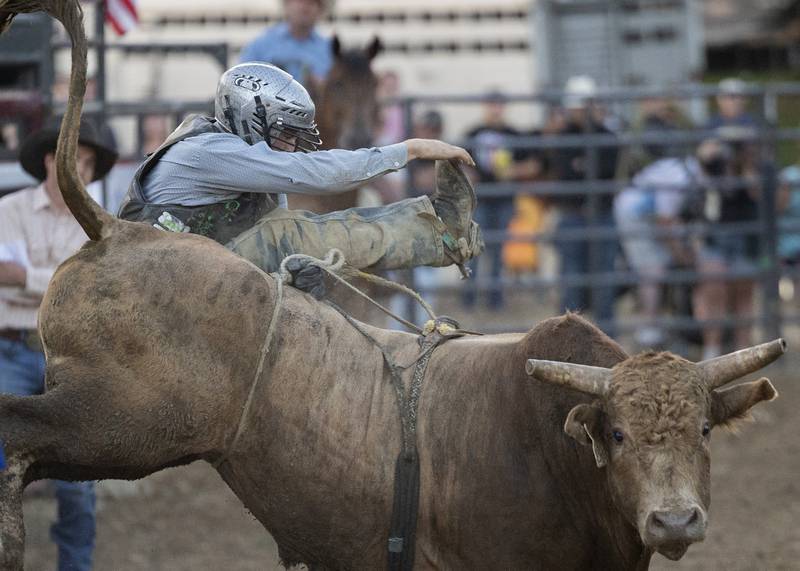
(658, 199)
(37, 233)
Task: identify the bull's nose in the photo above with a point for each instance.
(676, 525)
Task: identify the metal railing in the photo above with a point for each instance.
(766, 270)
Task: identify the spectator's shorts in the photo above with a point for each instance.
(732, 251)
(645, 252)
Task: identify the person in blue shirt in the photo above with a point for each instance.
(789, 209)
(295, 45)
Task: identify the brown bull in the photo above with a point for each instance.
(153, 342)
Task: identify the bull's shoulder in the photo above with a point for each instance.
(569, 338)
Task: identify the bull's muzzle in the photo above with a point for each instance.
(670, 532)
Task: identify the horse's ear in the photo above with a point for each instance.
(374, 48)
(336, 46)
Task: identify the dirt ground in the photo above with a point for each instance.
(186, 519)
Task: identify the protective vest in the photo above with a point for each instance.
(220, 221)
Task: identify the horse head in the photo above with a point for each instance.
(348, 107)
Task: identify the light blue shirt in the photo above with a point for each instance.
(276, 45)
(661, 189)
(789, 241)
(216, 167)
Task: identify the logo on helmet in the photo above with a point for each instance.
(248, 82)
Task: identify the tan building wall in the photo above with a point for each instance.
(193, 77)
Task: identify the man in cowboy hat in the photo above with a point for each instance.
(37, 233)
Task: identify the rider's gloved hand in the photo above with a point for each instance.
(307, 277)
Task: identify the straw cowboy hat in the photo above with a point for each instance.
(39, 143)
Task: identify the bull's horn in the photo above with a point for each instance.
(584, 378)
(727, 368)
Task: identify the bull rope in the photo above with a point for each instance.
(405, 505)
(334, 265)
(279, 280)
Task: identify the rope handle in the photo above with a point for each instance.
(334, 264)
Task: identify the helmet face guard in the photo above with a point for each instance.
(287, 138)
(260, 102)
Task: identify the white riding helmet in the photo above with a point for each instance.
(261, 102)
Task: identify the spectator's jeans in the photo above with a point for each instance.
(580, 257)
(22, 373)
(494, 216)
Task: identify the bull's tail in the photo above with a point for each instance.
(96, 222)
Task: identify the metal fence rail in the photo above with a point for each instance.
(767, 271)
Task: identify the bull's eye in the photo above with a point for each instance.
(706, 429)
(617, 436)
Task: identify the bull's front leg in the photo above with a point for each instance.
(12, 528)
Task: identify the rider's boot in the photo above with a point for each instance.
(454, 202)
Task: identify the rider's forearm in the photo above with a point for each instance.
(340, 170)
(412, 146)
(418, 148)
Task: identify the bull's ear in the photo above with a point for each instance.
(733, 404)
(585, 424)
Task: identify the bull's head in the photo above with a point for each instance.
(650, 429)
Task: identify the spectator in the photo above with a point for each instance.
(392, 124)
(489, 145)
(788, 202)
(520, 253)
(9, 136)
(656, 115)
(295, 45)
(662, 196)
(37, 233)
(578, 213)
(155, 129)
(423, 173)
(60, 91)
(391, 129)
(530, 163)
(430, 123)
(738, 252)
(732, 106)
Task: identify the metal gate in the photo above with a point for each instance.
(618, 42)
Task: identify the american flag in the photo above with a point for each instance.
(121, 14)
